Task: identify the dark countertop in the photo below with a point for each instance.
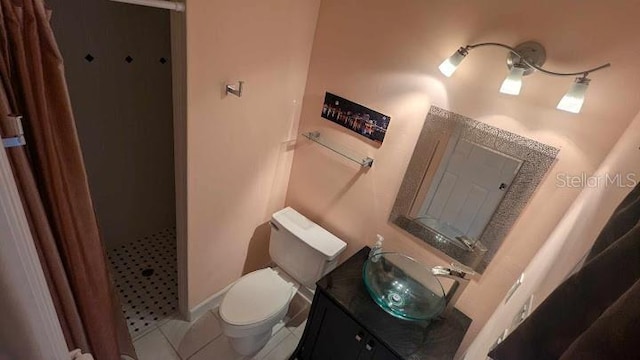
(412, 340)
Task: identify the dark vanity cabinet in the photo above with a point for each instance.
(335, 335)
(346, 324)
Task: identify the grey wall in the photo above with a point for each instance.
(123, 111)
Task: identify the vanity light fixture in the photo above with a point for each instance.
(572, 101)
(450, 64)
(513, 83)
(523, 60)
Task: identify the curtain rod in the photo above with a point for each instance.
(161, 4)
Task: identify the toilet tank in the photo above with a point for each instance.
(302, 248)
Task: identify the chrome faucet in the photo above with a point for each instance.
(376, 249)
(460, 275)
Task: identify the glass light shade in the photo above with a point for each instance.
(449, 66)
(513, 83)
(574, 98)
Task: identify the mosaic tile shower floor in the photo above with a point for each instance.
(145, 274)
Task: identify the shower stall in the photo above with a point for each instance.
(118, 65)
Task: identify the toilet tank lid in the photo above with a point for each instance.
(311, 233)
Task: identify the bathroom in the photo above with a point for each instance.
(238, 160)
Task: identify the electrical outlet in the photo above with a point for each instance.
(522, 314)
(514, 287)
(500, 338)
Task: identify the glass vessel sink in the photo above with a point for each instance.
(403, 287)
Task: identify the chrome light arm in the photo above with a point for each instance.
(584, 73)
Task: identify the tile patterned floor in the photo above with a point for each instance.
(203, 339)
(145, 274)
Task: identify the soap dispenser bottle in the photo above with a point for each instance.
(377, 248)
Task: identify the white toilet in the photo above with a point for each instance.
(259, 300)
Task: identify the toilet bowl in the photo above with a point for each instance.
(253, 305)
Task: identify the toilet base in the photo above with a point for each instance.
(249, 345)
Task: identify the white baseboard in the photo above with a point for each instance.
(211, 302)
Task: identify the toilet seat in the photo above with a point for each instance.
(255, 298)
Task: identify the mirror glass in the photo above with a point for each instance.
(466, 184)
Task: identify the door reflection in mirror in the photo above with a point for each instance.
(465, 191)
(466, 184)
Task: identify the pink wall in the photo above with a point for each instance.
(237, 156)
(384, 54)
(571, 239)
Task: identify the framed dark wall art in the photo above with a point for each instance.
(355, 117)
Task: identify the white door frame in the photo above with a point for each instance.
(22, 283)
